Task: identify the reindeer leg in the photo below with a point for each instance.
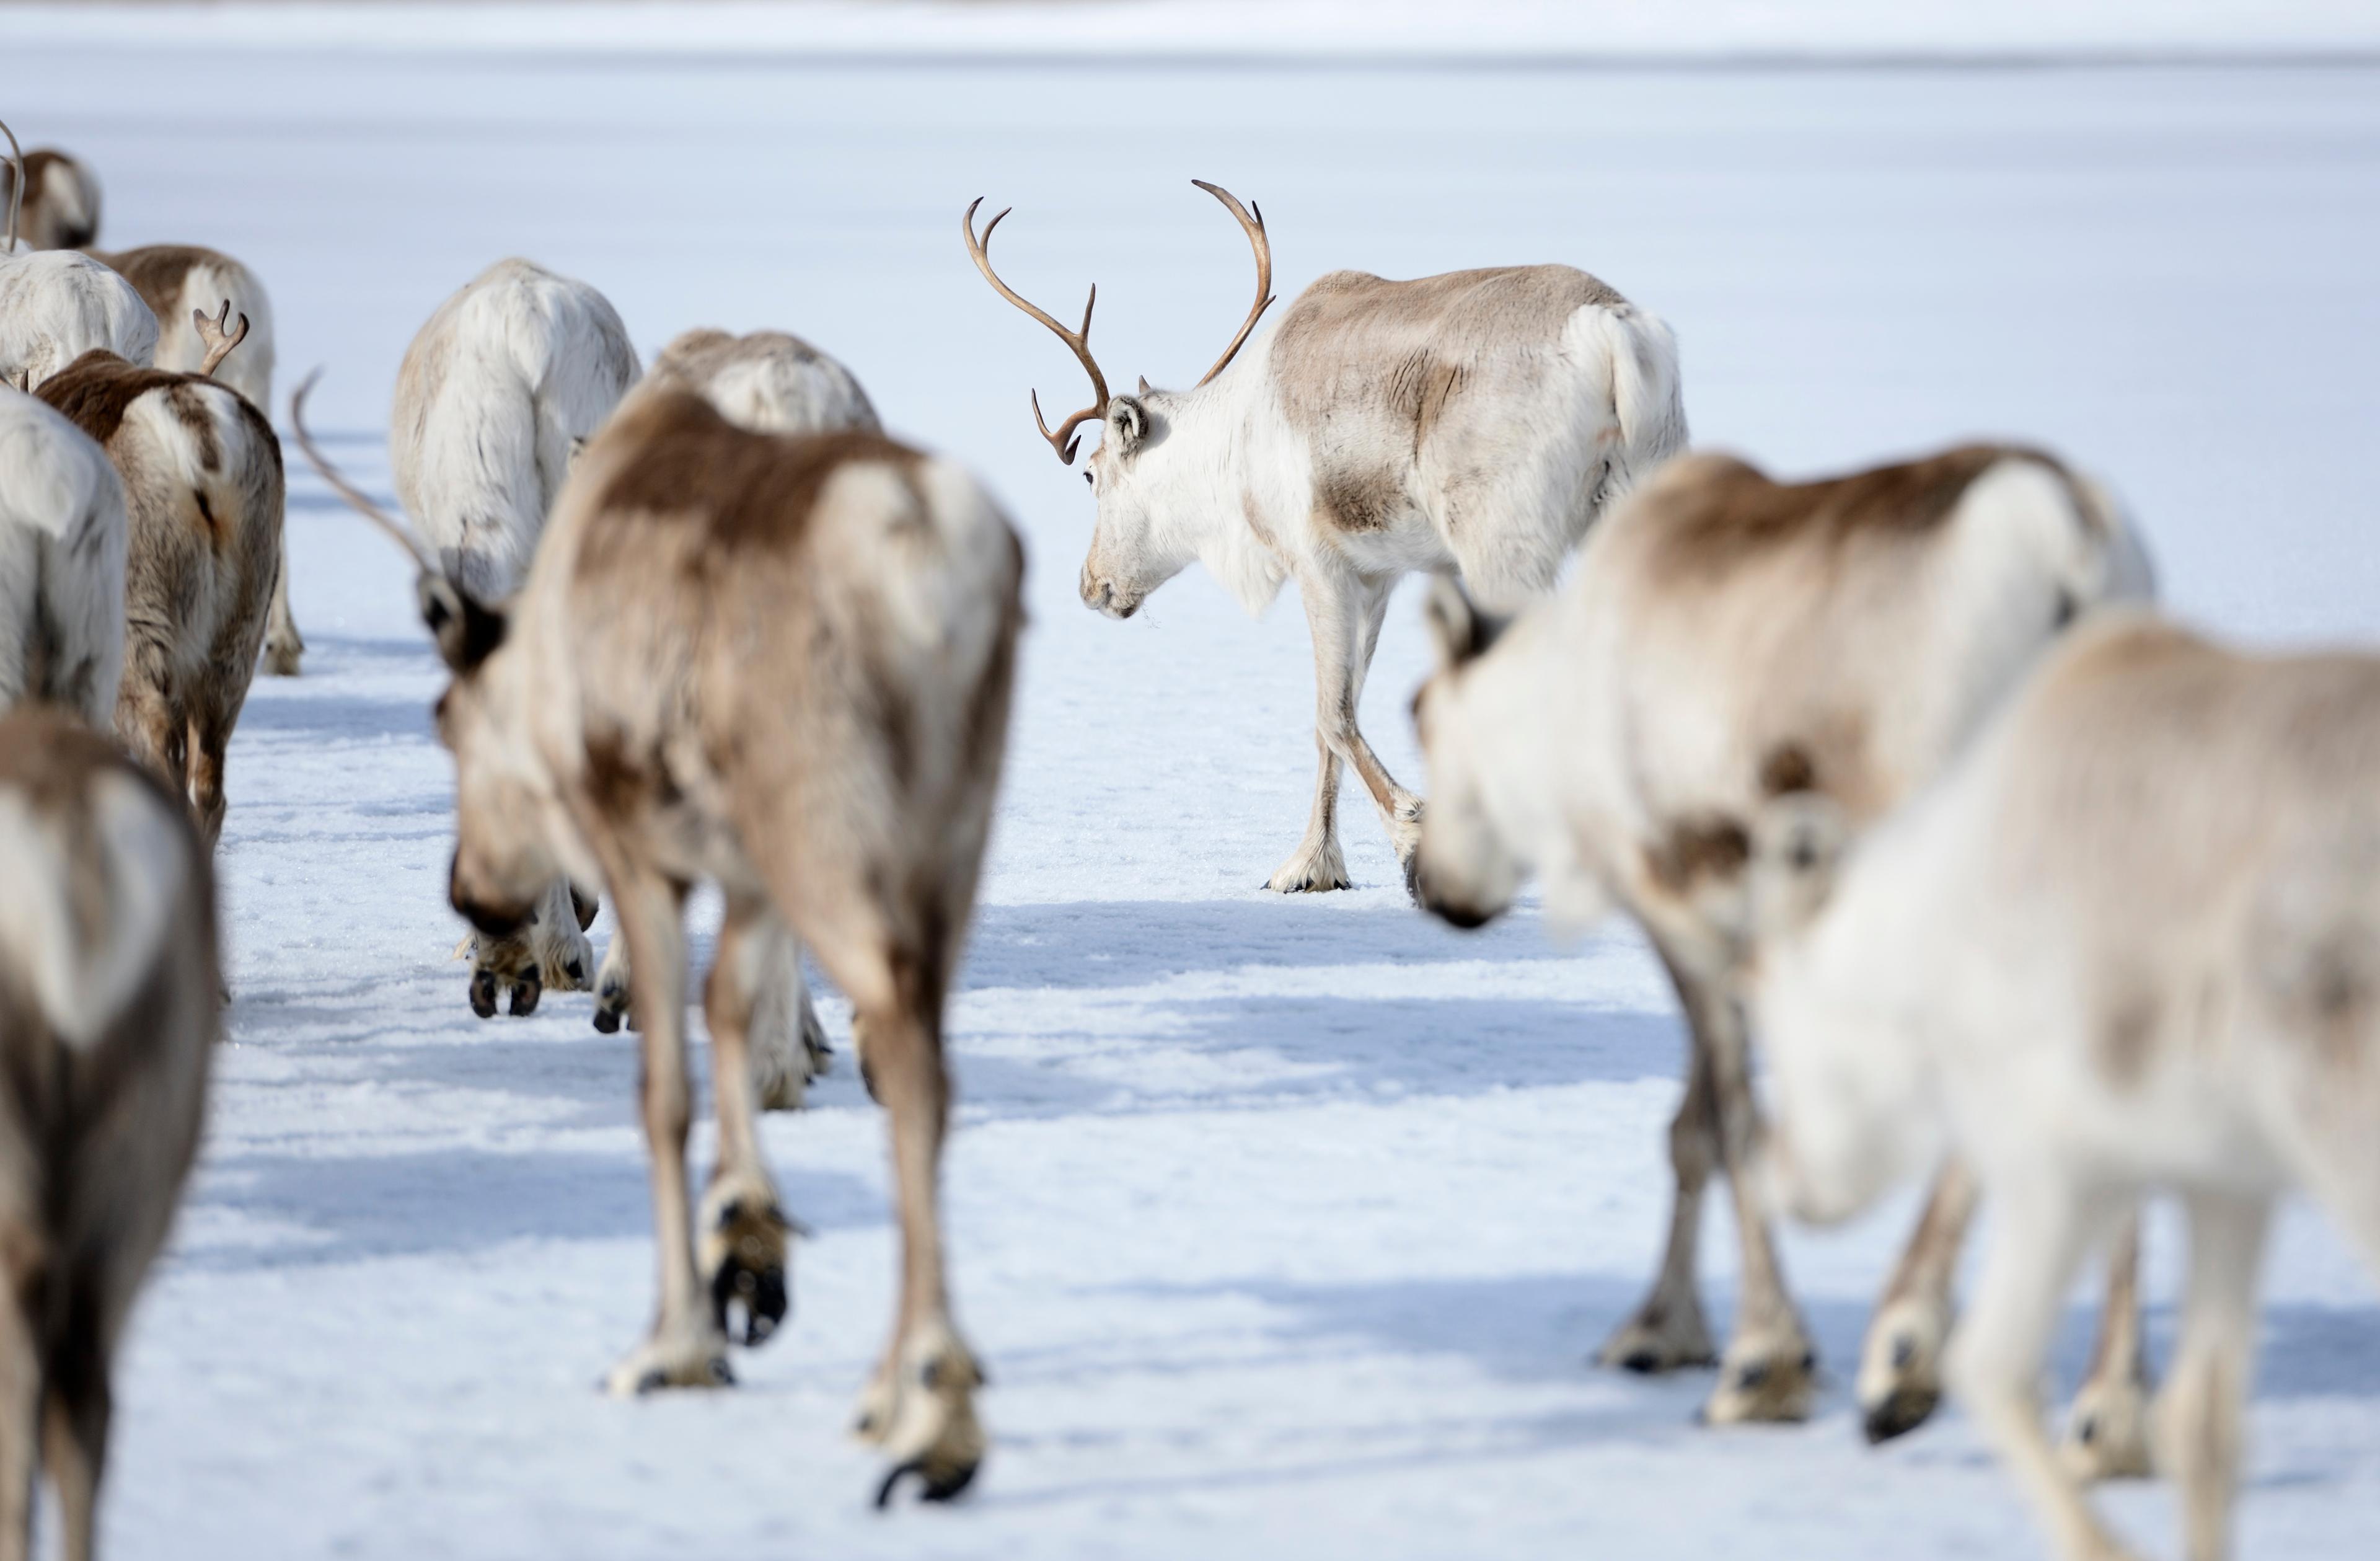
(743, 1251)
(283, 646)
(1901, 1361)
(76, 1409)
(1770, 1367)
(2199, 1428)
(1343, 614)
(564, 954)
(788, 1043)
(613, 986)
(920, 1408)
(2042, 1226)
(1666, 1330)
(2107, 1429)
(684, 1348)
(20, 1387)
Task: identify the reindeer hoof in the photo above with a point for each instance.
(743, 1251)
(526, 990)
(1899, 1413)
(607, 1020)
(483, 994)
(944, 1484)
(698, 1359)
(1765, 1382)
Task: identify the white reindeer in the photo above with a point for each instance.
(1727, 638)
(62, 547)
(495, 394)
(2129, 943)
(204, 496)
(55, 305)
(1477, 421)
(769, 383)
(782, 663)
(194, 293)
(108, 1016)
(59, 196)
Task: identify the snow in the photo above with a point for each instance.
(1284, 1226)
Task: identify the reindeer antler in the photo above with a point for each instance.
(1080, 341)
(219, 343)
(1255, 228)
(16, 184)
(403, 534)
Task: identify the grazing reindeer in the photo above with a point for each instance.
(495, 395)
(784, 662)
(62, 545)
(203, 494)
(60, 195)
(55, 305)
(769, 383)
(2130, 942)
(185, 285)
(1727, 638)
(108, 1017)
(1476, 421)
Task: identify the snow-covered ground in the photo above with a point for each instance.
(1284, 1225)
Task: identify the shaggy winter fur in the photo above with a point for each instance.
(61, 207)
(495, 395)
(2130, 943)
(782, 664)
(56, 305)
(62, 546)
(1728, 639)
(771, 383)
(1477, 421)
(108, 1016)
(179, 282)
(203, 492)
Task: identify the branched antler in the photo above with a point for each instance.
(1062, 441)
(1255, 228)
(219, 342)
(403, 534)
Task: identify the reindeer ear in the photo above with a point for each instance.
(467, 633)
(1463, 631)
(1127, 423)
(1144, 384)
(1798, 845)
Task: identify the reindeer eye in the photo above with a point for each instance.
(1086, 477)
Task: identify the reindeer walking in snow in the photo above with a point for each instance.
(203, 495)
(1478, 421)
(769, 383)
(782, 663)
(1726, 639)
(108, 1017)
(2131, 942)
(495, 394)
(195, 293)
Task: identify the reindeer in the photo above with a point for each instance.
(55, 305)
(1478, 421)
(495, 394)
(783, 662)
(2131, 942)
(184, 282)
(62, 546)
(60, 195)
(1726, 639)
(203, 494)
(108, 1018)
(769, 383)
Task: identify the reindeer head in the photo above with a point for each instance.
(1134, 547)
(502, 864)
(1467, 869)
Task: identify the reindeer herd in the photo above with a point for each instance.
(1998, 875)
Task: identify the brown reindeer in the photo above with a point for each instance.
(107, 1021)
(203, 490)
(781, 662)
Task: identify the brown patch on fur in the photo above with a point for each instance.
(2128, 1036)
(1695, 850)
(38, 164)
(1787, 769)
(1715, 511)
(97, 389)
(754, 487)
(157, 271)
(1351, 499)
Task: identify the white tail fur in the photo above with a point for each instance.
(80, 975)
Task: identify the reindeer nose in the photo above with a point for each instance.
(1097, 593)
